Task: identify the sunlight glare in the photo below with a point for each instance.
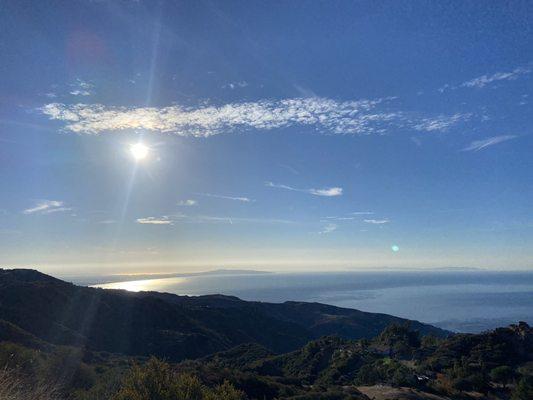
(139, 151)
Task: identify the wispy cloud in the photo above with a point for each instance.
(290, 168)
(338, 117)
(350, 216)
(328, 229)
(234, 85)
(81, 88)
(487, 79)
(214, 219)
(441, 122)
(377, 221)
(155, 221)
(326, 192)
(187, 203)
(331, 116)
(79, 92)
(47, 207)
(341, 218)
(219, 196)
(477, 145)
(209, 219)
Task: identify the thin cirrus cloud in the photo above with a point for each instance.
(441, 122)
(47, 207)
(155, 221)
(213, 219)
(351, 216)
(325, 192)
(220, 196)
(81, 88)
(208, 219)
(328, 229)
(487, 79)
(187, 203)
(337, 117)
(377, 221)
(478, 145)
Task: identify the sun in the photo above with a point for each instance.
(139, 151)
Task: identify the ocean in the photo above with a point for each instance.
(463, 301)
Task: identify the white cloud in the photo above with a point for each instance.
(362, 117)
(234, 85)
(231, 220)
(219, 196)
(57, 209)
(47, 207)
(477, 145)
(326, 192)
(440, 123)
(209, 219)
(341, 218)
(187, 203)
(154, 221)
(484, 80)
(328, 229)
(377, 221)
(81, 88)
(352, 216)
(347, 117)
(79, 92)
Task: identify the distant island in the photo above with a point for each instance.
(101, 279)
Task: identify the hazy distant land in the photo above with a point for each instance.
(458, 299)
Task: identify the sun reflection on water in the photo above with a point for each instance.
(143, 285)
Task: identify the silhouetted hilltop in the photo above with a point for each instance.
(170, 326)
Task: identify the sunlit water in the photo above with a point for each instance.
(465, 301)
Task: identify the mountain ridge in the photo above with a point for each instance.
(171, 326)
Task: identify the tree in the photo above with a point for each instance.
(502, 374)
(524, 389)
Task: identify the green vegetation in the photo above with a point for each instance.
(41, 364)
(496, 364)
(156, 380)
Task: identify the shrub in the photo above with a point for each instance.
(14, 387)
(524, 389)
(157, 381)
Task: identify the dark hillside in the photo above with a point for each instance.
(174, 327)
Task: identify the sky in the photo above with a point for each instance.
(308, 136)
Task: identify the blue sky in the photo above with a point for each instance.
(280, 135)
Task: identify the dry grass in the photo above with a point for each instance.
(14, 387)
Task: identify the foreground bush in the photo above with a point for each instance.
(157, 381)
(12, 387)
